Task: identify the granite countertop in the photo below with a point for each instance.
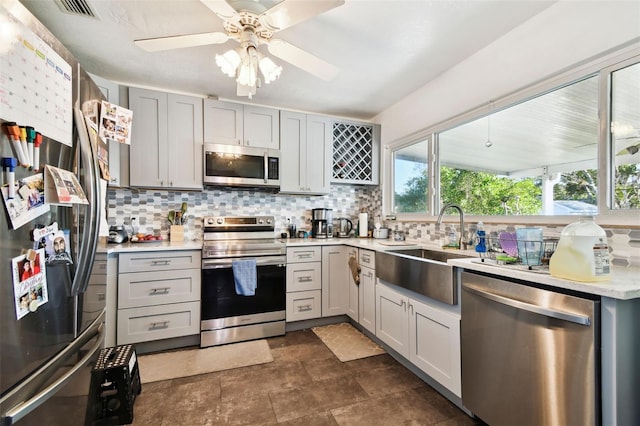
(624, 283)
(104, 247)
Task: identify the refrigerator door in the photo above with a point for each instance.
(53, 345)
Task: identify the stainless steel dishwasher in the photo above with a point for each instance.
(530, 356)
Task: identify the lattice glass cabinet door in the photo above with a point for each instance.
(356, 153)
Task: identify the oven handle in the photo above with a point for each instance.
(226, 263)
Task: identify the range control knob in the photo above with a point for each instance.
(268, 221)
(220, 221)
(210, 221)
(260, 221)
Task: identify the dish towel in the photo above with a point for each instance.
(245, 276)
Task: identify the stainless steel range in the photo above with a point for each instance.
(226, 315)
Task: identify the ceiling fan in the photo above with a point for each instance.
(252, 23)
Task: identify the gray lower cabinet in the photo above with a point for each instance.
(353, 306)
(421, 331)
(166, 140)
(158, 295)
(367, 290)
(304, 283)
(335, 279)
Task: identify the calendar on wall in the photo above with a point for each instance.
(35, 82)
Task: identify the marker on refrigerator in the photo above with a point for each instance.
(13, 132)
(25, 148)
(9, 165)
(31, 136)
(36, 152)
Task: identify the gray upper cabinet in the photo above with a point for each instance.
(118, 153)
(237, 124)
(356, 153)
(166, 140)
(305, 142)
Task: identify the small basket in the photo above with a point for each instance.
(528, 251)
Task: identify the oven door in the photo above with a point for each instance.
(221, 307)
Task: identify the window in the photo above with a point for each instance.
(538, 157)
(410, 178)
(625, 137)
(541, 156)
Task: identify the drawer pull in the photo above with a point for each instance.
(306, 279)
(159, 325)
(305, 255)
(101, 296)
(160, 290)
(366, 258)
(160, 262)
(304, 308)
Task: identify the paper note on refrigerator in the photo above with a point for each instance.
(28, 204)
(62, 187)
(29, 282)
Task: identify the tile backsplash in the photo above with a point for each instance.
(150, 207)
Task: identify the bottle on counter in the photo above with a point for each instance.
(582, 253)
(481, 246)
(453, 237)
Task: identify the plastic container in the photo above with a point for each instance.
(582, 253)
(481, 246)
(453, 237)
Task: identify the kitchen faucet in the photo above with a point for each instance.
(462, 242)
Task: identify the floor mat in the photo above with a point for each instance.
(190, 362)
(346, 342)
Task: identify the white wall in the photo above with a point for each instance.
(562, 35)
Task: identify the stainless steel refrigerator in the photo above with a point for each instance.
(46, 356)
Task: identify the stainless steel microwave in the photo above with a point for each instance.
(232, 165)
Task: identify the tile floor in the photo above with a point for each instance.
(304, 385)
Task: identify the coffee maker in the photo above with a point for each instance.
(322, 223)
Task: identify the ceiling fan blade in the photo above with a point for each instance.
(222, 9)
(303, 60)
(177, 42)
(290, 12)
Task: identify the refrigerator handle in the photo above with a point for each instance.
(89, 242)
(563, 315)
(19, 411)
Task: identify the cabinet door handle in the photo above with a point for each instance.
(160, 290)
(306, 279)
(159, 325)
(304, 308)
(403, 304)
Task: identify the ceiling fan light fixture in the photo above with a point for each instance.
(270, 71)
(229, 62)
(247, 91)
(248, 71)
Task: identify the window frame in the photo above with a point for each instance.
(602, 66)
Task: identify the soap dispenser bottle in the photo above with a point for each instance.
(453, 237)
(481, 245)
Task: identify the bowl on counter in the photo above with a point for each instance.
(382, 233)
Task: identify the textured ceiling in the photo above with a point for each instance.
(384, 49)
